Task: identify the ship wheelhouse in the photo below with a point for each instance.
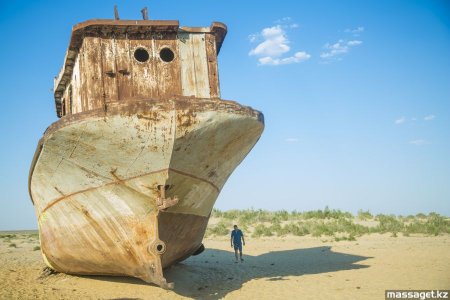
(120, 60)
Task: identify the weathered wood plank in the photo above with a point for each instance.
(213, 74)
(92, 71)
(109, 71)
(83, 81)
(76, 88)
(167, 73)
(185, 52)
(124, 69)
(200, 65)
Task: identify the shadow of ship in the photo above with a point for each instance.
(213, 274)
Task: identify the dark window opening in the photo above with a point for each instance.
(159, 247)
(141, 55)
(166, 55)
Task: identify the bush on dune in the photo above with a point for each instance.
(261, 230)
(220, 229)
(364, 215)
(434, 224)
(334, 223)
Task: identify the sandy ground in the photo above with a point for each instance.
(274, 268)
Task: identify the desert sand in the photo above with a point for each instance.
(274, 268)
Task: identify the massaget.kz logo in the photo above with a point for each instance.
(416, 294)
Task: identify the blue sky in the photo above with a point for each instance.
(356, 97)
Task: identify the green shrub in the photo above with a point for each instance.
(216, 213)
(344, 225)
(320, 228)
(421, 216)
(434, 224)
(231, 214)
(327, 214)
(36, 248)
(7, 236)
(345, 238)
(437, 224)
(299, 229)
(220, 229)
(261, 230)
(282, 215)
(364, 215)
(389, 224)
(277, 229)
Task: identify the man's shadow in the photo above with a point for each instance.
(213, 274)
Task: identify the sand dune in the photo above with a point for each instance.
(274, 268)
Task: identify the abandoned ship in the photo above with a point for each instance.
(125, 181)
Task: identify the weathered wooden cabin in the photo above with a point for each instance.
(125, 181)
(113, 60)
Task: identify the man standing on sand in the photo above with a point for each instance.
(236, 236)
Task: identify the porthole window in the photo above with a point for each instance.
(160, 247)
(141, 55)
(166, 55)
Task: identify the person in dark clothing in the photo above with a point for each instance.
(236, 236)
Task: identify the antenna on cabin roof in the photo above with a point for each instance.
(116, 13)
(144, 12)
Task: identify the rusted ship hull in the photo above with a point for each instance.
(128, 189)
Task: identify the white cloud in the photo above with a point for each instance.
(354, 43)
(274, 45)
(339, 48)
(419, 142)
(429, 117)
(296, 58)
(335, 51)
(291, 140)
(286, 22)
(253, 37)
(400, 120)
(355, 31)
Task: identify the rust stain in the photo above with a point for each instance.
(59, 191)
(119, 181)
(162, 202)
(151, 116)
(196, 177)
(212, 173)
(113, 173)
(186, 118)
(106, 237)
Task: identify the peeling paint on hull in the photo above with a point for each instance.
(98, 176)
